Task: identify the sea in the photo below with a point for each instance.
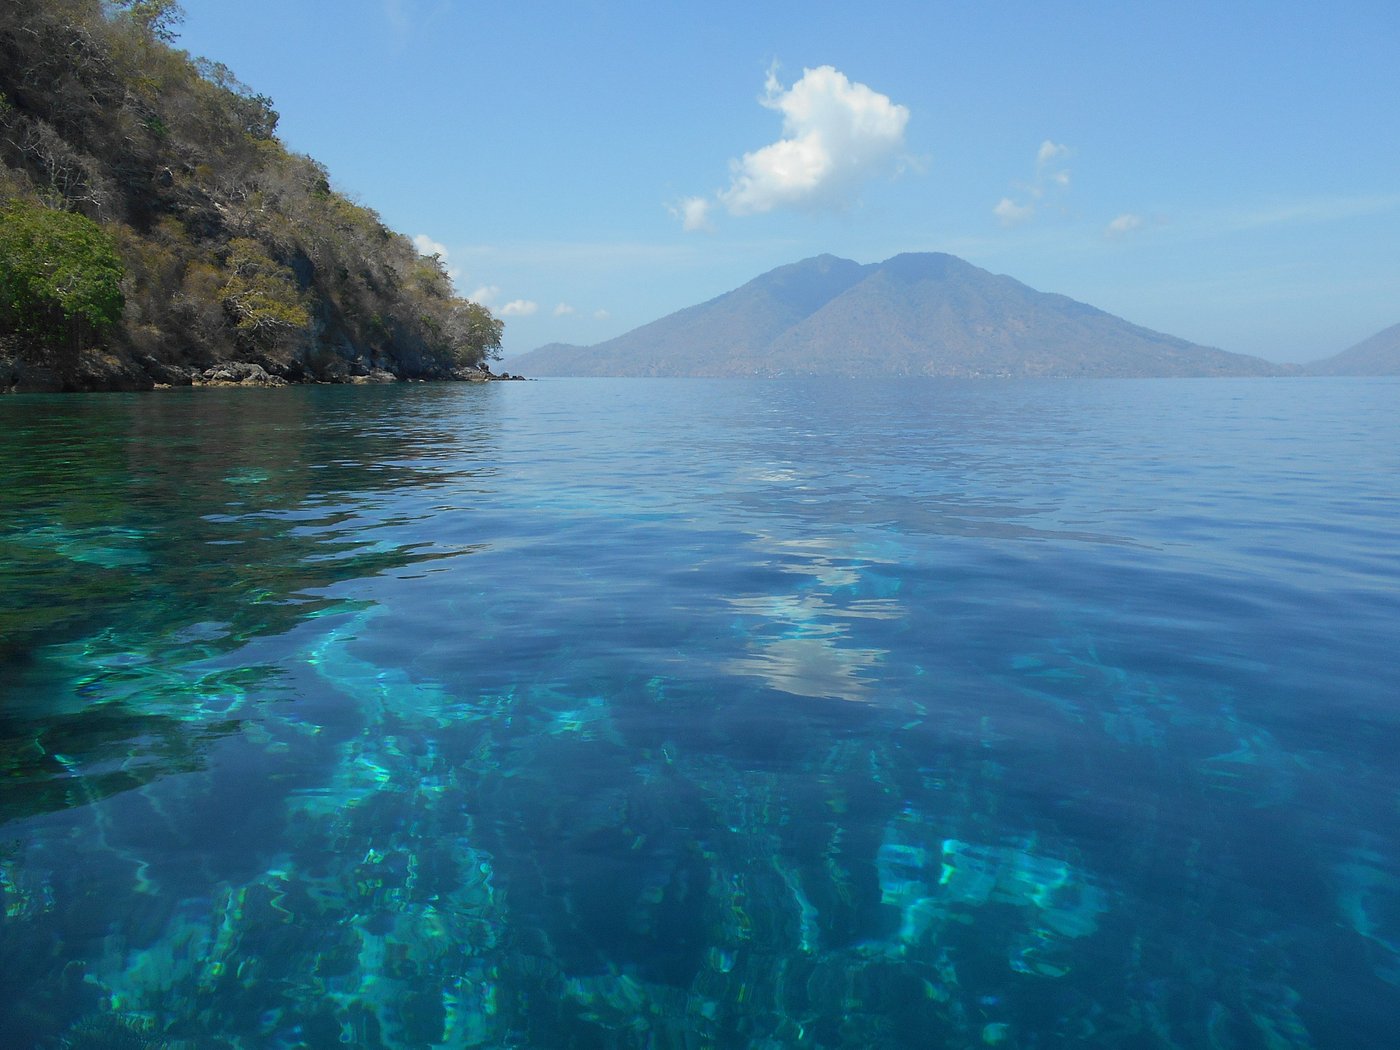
(702, 713)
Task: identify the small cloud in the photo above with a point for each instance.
(837, 135)
(1009, 213)
(1049, 169)
(694, 214)
(601, 315)
(485, 295)
(427, 246)
(1123, 225)
(1049, 153)
(563, 310)
(519, 308)
(1050, 178)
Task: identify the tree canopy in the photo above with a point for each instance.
(60, 275)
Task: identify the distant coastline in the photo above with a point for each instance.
(918, 314)
(95, 372)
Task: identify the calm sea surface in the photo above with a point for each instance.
(609, 713)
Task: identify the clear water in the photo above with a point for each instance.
(691, 713)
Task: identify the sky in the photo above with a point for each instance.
(1226, 172)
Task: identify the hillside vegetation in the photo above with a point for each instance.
(153, 228)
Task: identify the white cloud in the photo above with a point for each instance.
(1048, 167)
(519, 308)
(836, 136)
(694, 213)
(1050, 177)
(427, 246)
(1050, 152)
(563, 309)
(1009, 213)
(1124, 225)
(601, 315)
(485, 295)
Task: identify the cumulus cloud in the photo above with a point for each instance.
(836, 136)
(1124, 224)
(694, 214)
(485, 295)
(563, 309)
(519, 308)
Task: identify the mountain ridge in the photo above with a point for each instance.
(917, 313)
(1378, 355)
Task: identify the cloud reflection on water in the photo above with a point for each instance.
(800, 642)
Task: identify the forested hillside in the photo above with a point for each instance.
(153, 228)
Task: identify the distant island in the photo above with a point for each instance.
(925, 314)
(919, 314)
(154, 230)
(1377, 356)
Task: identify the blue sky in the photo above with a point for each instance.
(1225, 172)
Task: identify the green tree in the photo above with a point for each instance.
(262, 297)
(473, 333)
(157, 18)
(60, 275)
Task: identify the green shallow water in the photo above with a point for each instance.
(653, 714)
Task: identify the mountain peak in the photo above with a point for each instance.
(918, 313)
(932, 264)
(1377, 356)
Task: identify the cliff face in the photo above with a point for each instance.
(924, 314)
(228, 247)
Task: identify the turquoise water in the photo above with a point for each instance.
(606, 713)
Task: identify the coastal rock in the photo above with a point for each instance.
(85, 370)
(240, 373)
(21, 377)
(472, 375)
(481, 375)
(375, 375)
(102, 370)
(164, 374)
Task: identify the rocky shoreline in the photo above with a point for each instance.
(246, 373)
(91, 371)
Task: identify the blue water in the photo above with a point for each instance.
(607, 713)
